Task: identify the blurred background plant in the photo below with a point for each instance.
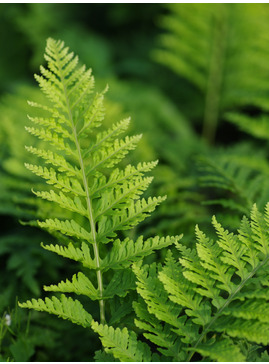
(193, 78)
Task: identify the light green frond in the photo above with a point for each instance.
(119, 177)
(102, 202)
(67, 227)
(52, 125)
(105, 138)
(150, 288)
(74, 205)
(246, 237)
(161, 335)
(182, 292)
(126, 219)
(57, 141)
(209, 254)
(66, 184)
(123, 345)
(109, 157)
(214, 297)
(56, 160)
(80, 285)
(66, 308)
(252, 330)
(259, 227)
(94, 114)
(233, 250)
(125, 252)
(81, 254)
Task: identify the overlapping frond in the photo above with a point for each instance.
(124, 252)
(123, 345)
(236, 182)
(215, 296)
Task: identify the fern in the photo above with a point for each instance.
(102, 200)
(218, 63)
(235, 179)
(213, 299)
(124, 345)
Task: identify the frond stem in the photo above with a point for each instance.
(89, 205)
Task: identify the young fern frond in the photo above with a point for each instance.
(101, 202)
(213, 298)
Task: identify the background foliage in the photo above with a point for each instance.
(200, 102)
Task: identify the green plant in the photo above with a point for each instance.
(206, 301)
(219, 63)
(213, 302)
(102, 203)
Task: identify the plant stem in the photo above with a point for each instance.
(93, 230)
(214, 83)
(89, 204)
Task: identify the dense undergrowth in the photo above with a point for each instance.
(136, 283)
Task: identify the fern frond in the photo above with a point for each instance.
(65, 307)
(242, 184)
(219, 291)
(80, 285)
(223, 351)
(54, 138)
(161, 335)
(74, 205)
(56, 160)
(98, 202)
(67, 227)
(63, 183)
(109, 157)
(134, 213)
(257, 126)
(118, 177)
(125, 252)
(123, 345)
(82, 254)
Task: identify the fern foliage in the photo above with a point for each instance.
(218, 64)
(213, 299)
(235, 178)
(79, 167)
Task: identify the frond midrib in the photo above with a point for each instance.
(88, 200)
